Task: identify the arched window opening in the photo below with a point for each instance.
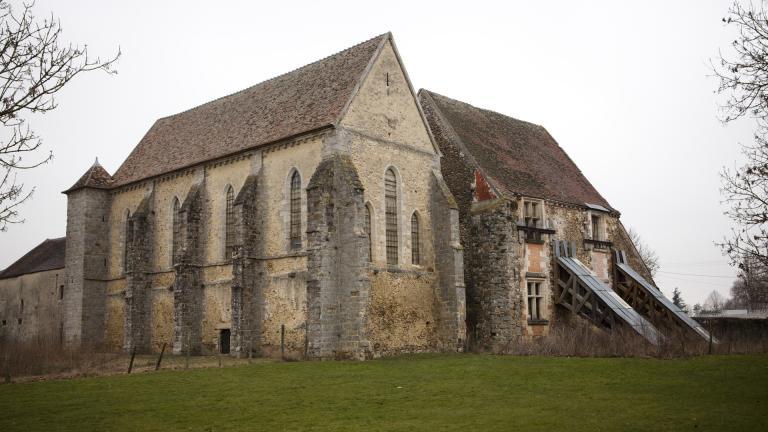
(126, 239)
(367, 227)
(176, 236)
(229, 242)
(295, 232)
(390, 200)
(415, 242)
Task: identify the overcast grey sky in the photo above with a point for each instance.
(622, 86)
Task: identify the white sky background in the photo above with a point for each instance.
(622, 86)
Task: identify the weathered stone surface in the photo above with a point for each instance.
(187, 290)
(338, 287)
(247, 273)
(495, 302)
(138, 297)
(86, 264)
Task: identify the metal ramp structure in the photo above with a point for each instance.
(645, 298)
(580, 291)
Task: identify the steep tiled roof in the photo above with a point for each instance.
(517, 156)
(96, 177)
(306, 99)
(48, 255)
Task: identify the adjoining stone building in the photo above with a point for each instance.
(32, 295)
(518, 192)
(326, 210)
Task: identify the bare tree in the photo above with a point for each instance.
(750, 290)
(34, 65)
(648, 255)
(743, 79)
(714, 303)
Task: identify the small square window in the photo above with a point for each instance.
(3, 322)
(19, 321)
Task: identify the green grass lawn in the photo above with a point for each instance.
(459, 392)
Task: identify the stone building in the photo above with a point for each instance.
(518, 192)
(307, 210)
(32, 295)
(325, 212)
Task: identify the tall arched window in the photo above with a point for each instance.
(295, 211)
(229, 227)
(390, 202)
(126, 239)
(176, 235)
(368, 229)
(415, 242)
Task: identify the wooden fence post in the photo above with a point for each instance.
(160, 359)
(133, 355)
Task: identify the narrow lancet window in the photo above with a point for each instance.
(126, 239)
(176, 226)
(295, 211)
(229, 229)
(415, 242)
(367, 227)
(390, 200)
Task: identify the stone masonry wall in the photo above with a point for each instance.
(338, 287)
(41, 316)
(495, 304)
(86, 263)
(138, 295)
(187, 290)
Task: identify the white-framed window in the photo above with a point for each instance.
(535, 300)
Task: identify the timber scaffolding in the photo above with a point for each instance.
(636, 303)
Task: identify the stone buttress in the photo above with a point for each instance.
(138, 297)
(449, 263)
(495, 303)
(338, 286)
(188, 287)
(247, 273)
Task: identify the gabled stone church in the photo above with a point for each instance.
(330, 212)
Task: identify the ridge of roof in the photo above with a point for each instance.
(48, 255)
(300, 101)
(521, 157)
(306, 65)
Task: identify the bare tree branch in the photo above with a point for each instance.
(743, 79)
(34, 66)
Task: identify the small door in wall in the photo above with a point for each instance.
(224, 335)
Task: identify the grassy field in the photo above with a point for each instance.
(459, 392)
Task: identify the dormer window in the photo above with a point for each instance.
(532, 213)
(533, 220)
(596, 228)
